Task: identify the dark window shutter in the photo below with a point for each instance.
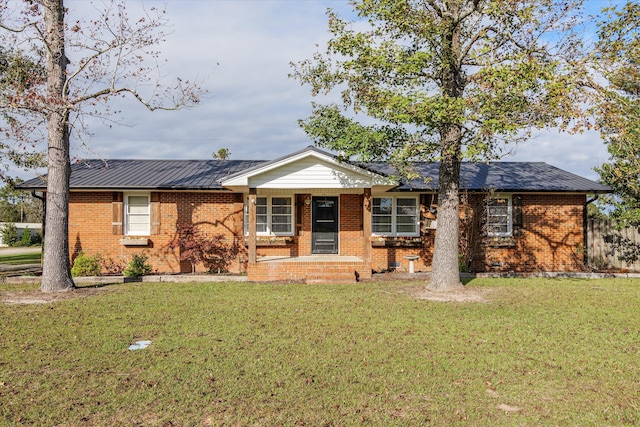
(516, 213)
(117, 207)
(154, 206)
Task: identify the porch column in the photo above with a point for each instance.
(366, 224)
(252, 226)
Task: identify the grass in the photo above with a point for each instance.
(25, 258)
(541, 352)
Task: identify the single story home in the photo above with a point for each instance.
(309, 216)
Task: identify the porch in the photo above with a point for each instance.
(309, 269)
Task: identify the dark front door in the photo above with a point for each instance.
(324, 230)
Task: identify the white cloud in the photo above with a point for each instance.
(243, 48)
(578, 153)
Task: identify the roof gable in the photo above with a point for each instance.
(309, 168)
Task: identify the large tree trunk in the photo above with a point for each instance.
(56, 273)
(445, 273)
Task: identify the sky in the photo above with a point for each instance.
(242, 50)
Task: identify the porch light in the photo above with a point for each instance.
(307, 201)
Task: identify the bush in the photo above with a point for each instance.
(111, 267)
(9, 234)
(137, 266)
(85, 265)
(36, 239)
(25, 239)
(198, 247)
(462, 264)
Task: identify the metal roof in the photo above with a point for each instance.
(148, 174)
(207, 174)
(499, 176)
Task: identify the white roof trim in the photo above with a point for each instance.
(244, 179)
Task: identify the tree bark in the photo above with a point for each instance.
(56, 271)
(445, 272)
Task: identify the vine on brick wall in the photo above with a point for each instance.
(198, 247)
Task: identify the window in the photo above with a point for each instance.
(499, 216)
(137, 214)
(395, 215)
(274, 215)
(281, 215)
(382, 222)
(262, 215)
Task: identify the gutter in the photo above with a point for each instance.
(585, 235)
(44, 218)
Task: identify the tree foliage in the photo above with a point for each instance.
(18, 206)
(88, 62)
(9, 233)
(21, 72)
(198, 247)
(444, 80)
(618, 54)
(221, 154)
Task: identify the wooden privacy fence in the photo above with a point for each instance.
(613, 248)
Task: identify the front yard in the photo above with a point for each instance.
(537, 352)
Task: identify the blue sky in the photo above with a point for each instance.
(242, 49)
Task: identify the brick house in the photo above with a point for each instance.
(308, 216)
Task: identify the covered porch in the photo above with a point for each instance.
(327, 245)
(308, 218)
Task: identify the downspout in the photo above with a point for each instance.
(585, 234)
(44, 217)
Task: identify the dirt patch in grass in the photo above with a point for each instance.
(462, 295)
(37, 297)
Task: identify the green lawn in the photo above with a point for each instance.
(18, 259)
(540, 352)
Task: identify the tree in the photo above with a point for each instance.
(444, 80)
(16, 206)
(618, 108)
(198, 247)
(20, 73)
(221, 154)
(110, 56)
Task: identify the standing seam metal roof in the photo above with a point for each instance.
(207, 174)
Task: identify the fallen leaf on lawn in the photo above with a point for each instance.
(492, 392)
(507, 408)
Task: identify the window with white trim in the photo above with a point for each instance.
(499, 216)
(137, 214)
(397, 216)
(274, 216)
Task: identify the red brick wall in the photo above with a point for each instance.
(90, 230)
(551, 237)
(382, 257)
(351, 237)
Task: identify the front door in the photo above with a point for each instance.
(324, 229)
